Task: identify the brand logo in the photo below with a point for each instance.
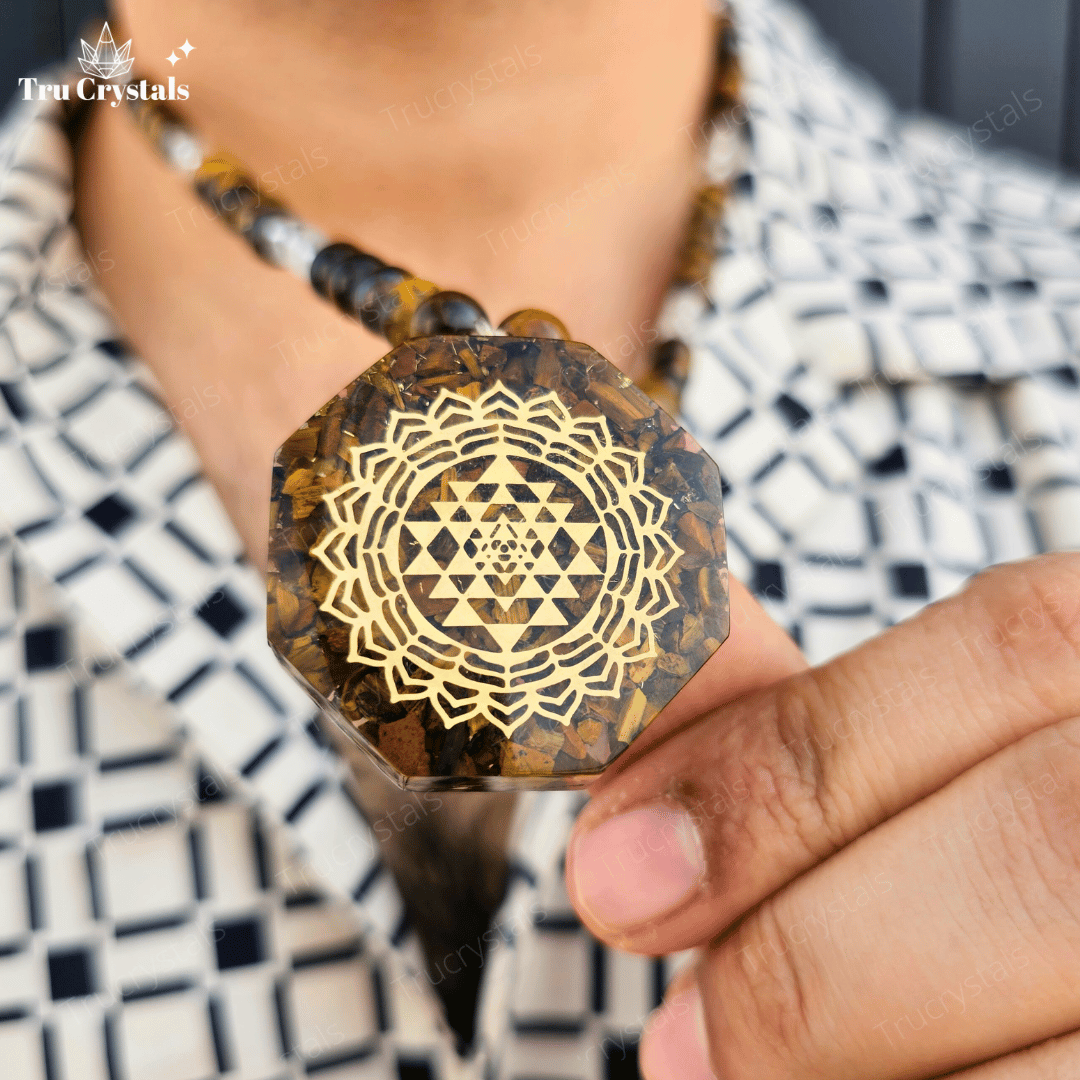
(106, 61)
(499, 558)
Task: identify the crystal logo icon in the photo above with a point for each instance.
(498, 558)
(106, 61)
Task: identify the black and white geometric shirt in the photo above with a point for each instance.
(885, 366)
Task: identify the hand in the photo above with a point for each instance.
(878, 859)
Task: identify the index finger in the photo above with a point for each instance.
(718, 816)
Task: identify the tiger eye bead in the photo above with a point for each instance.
(665, 380)
(403, 302)
(348, 280)
(446, 312)
(326, 262)
(385, 301)
(218, 172)
(328, 269)
(671, 359)
(702, 243)
(234, 198)
(532, 322)
(729, 73)
(369, 297)
(222, 183)
(242, 206)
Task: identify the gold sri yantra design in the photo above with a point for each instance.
(499, 558)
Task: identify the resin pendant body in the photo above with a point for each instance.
(493, 561)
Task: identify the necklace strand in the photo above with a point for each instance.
(399, 305)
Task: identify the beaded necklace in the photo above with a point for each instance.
(493, 558)
(399, 305)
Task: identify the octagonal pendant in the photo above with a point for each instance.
(493, 561)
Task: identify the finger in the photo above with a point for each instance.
(947, 936)
(756, 654)
(675, 1042)
(728, 809)
(1055, 1059)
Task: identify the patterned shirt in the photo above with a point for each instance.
(885, 368)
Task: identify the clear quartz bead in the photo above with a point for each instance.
(725, 154)
(289, 243)
(181, 150)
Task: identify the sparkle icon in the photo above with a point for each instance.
(106, 61)
(187, 47)
(172, 58)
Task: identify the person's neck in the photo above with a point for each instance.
(469, 140)
(530, 154)
(442, 123)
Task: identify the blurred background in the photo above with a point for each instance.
(962, 59)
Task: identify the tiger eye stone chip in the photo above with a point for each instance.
(494, 561)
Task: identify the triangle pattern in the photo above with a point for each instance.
(504, 549)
